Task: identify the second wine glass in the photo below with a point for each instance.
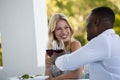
(59, 47)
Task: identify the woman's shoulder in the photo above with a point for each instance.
(75, 44)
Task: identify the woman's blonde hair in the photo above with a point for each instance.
(52, 24)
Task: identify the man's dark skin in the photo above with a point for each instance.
(96, 24)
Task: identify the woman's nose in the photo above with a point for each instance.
(63, 31)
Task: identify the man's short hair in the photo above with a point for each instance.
(104, 13)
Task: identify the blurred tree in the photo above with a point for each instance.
(77, 11)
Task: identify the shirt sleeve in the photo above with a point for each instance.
(93, 51)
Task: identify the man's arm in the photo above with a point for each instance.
(96, 50)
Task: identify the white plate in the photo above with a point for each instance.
(40, 77)
(13, 78)
(35, 78)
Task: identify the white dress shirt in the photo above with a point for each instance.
(102, 53)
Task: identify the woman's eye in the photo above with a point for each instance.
(58, 29)
(66, 27)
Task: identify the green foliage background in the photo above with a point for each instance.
(78, 10)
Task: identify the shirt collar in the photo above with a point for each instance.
(108, 31)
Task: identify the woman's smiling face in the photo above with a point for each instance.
(62, 31)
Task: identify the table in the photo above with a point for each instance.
(76, 79)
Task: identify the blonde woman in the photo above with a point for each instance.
(60, 29)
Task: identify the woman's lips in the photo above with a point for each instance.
(63, 37)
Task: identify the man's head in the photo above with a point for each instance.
(99, 20)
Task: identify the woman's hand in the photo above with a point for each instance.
(49, 61)
(48, 79)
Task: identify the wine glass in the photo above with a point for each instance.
(56, 47)
(59, 47)
(50, 51)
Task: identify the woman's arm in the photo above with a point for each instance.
(47, 67)
(75, 74)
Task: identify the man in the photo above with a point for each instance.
(102, 51)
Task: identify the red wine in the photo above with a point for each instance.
(59, 51)
(50, 52)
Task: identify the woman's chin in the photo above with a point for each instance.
(65, 40)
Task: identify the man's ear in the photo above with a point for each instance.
(97, 21)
